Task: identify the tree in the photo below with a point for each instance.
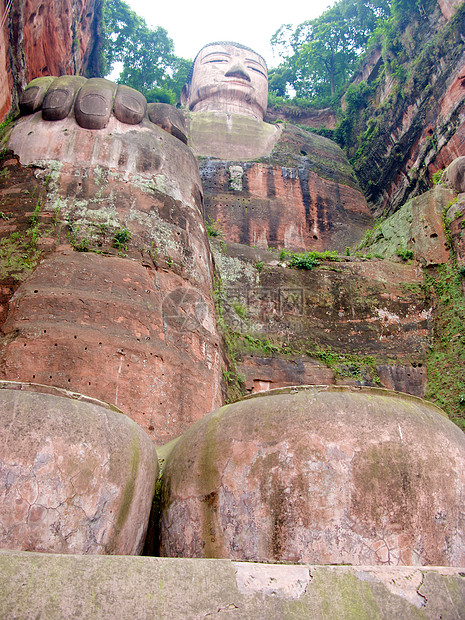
(149, 62)
(320, 55)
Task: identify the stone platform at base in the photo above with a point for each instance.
(47, 586)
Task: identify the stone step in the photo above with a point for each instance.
(41, 585)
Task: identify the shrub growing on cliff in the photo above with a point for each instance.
(404, 254)
(121, 238)
(213, 228)
(307, 260)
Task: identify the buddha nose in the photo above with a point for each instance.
(238, 71)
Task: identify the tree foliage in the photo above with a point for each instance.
(320, 55)
(147, 55)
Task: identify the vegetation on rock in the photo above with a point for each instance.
(446, 359)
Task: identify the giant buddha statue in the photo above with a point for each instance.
(227, 77)
(120, 174)
(266, 184)
(115, 302)
(115, 299)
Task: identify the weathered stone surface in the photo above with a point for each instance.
(41, 38)
(60, 587)
(230, 136)
(266, 373)
(94, 103)
(141, 339)
(262, 374)
(457, 226)
(170, 119)
(454, 174)
(326, 475)
(369, 307)
(449, 7)
(415, 119)
(302, 196)
(129, 105)
(33, 96)
(136, 192)
(5, 76)
(409, 379)
(310, 117)
(76, 476)
(59, 99)
(418, 226)
(91, 102)
(351, 322)
(227, 77)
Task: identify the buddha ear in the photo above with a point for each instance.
(184, 94)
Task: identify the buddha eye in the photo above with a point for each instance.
(216, 60)
(257, 71)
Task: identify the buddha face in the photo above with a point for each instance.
(227, 78)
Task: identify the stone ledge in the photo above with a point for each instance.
(71, 586)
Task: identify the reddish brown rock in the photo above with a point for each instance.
(76, 476)
(454, 175)
(262, 374)
(353, 306)
(350, 322)
(119, 331)
(303, 196)
(415, 116)
(409, 379)
(279, 207)
(53, 37)
(330, 475)
(129, 318)
(5, 76)
(449, 7)
(456, 215)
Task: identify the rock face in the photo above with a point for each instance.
(47, 37)
(301, 194)
(456, 214)
(353, 321)
(128, 318)
(76, 476)
(123, 587)
(310, 117)
(418, 226)
(449, 7)
(416, 117)
(455, 174)
(329, 475)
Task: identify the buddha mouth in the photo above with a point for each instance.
(236, 80)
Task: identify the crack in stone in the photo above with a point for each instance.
(230, 607)
(423, 576)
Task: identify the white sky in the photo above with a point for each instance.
(194, 23)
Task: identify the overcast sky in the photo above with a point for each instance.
(191, 24)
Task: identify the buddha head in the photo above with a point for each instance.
(227, 77)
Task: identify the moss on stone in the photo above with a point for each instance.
(446, 357)
(128, 492)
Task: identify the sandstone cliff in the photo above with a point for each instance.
(405, 110)
(46, 37)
